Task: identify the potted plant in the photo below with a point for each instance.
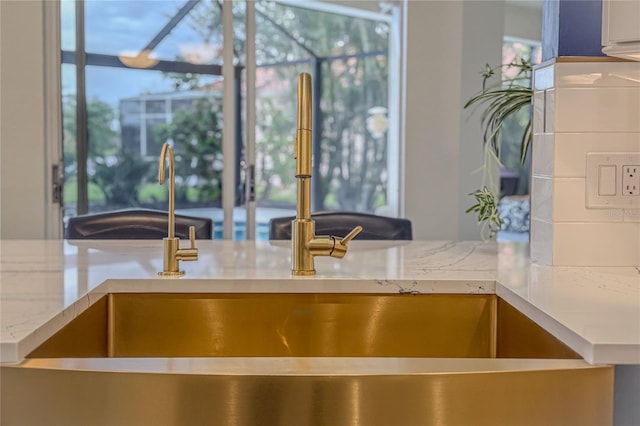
(500, 102)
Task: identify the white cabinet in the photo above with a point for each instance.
(621, 28)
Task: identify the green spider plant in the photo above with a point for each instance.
(500, 101)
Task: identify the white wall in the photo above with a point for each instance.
(523, 21)
(449, 42)
(22, 153)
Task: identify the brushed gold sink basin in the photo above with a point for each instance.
(302, 325)
(305, 360)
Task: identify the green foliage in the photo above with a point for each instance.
(69, 134)
(121, 180)
(150, 192)
(284, 197)
(197, 144)
(353, 162)
(70, 193)
(274, 148)
(103, 140)
(116, 176)
(487, 209)
(355, 174)
(503, 102)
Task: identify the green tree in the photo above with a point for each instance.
(197, 143)
(275, 148)
(111, 174)
(121, 180)
(69, 132)
(356, 160)
(353, 162)
(103, 139)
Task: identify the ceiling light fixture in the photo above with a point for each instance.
(143, 59)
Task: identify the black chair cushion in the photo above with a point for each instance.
(374, 227)
(135, 224)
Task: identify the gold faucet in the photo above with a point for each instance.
(172, 251)
(305, 243)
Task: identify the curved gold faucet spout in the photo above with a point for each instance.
(172, 251)
(161, 178)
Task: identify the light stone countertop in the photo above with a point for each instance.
(45, 284)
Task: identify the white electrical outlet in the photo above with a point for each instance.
(613, 180)
(631, 180)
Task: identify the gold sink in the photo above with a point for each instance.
(302, 325)
(305, 359)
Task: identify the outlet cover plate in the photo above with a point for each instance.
(617, 201)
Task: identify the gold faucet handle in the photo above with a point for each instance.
(190, 253)
(192, 236)
(340, 245)
(351, 235)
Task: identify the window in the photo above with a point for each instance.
(143, 73)
(515, 176)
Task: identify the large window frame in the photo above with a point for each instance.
(80, 59)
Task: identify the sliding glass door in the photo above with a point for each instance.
(137, 74)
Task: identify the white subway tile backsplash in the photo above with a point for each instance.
(597, 110)
(569, 205)
(543, 77)
(541, 241)
(542, 198)
(590, 107)
(538, 113)
(597, 74)
(596, 244)
(570, 149)
(550, 117)
(542, 155)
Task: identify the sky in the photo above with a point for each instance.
(117, 26)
